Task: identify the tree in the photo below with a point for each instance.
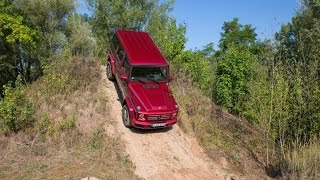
(234, 65)
(50, 17)
(81, 40)
(119, 14)
(167, 34)
(235, 34)
(233, 74)
(298, 55)
(18, 42)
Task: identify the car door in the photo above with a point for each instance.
(120, 61)
(126, 72)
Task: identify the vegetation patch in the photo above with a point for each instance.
(66, 138)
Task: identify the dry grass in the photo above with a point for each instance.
(68, 140)
(221, 134)
(303, 160)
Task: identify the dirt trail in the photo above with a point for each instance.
(164, 154)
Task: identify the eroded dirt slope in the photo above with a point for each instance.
(164, 154)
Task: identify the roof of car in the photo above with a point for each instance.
(140, 48)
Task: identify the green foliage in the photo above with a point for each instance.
(168, 36)
(68, 124)
(235, 34)
(233, 74)
(50, 18)
(199, 67)
(16, 110)
(18, 43)
(118, 14)
(257, 107)
(96, 139)
(44, 125)
(299, 52)
(58, 82)
(208, 50)
(13, 30)
(81, 40)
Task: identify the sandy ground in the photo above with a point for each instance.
(161, 154)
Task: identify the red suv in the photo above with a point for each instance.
(142, 74)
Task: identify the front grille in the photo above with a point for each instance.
(158, 117)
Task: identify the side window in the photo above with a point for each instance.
(126, 67)
(121, 54)
(115, 43)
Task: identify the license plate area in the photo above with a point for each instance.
(158, 125)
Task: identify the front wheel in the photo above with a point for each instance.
(126, 116)
(109, 72)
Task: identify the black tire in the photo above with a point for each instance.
(126, 116)
(110, 75)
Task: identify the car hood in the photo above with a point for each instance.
(152, 97)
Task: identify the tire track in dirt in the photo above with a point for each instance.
(161, 154)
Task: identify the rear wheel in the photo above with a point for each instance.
(109, 72)
(126, 116)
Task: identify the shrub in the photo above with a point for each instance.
(16, 110)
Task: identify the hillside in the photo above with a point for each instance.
(249, 107)
(68, 139)
(78, 133)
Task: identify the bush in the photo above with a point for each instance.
(233, 75)
(16, 110)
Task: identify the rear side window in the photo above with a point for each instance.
(115, 43)
(126, 67)
(121, 54)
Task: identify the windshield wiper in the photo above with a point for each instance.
(153, 80)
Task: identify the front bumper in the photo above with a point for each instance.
(150, 124)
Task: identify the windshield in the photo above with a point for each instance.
(149, 73)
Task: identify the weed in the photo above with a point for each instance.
(123, 158)
(303, 160)
(97, 138)
(104, 61)
(68, 124)
(44, 125)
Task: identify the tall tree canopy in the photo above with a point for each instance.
(234, 65)
(119, 14)
(17, 45)
(168, 35)
(299, 58)
(236, 34)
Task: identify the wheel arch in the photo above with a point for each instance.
(128, 102)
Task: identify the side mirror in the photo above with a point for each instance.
(124, 78)
(170, 77)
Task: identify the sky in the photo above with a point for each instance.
(205, 18)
